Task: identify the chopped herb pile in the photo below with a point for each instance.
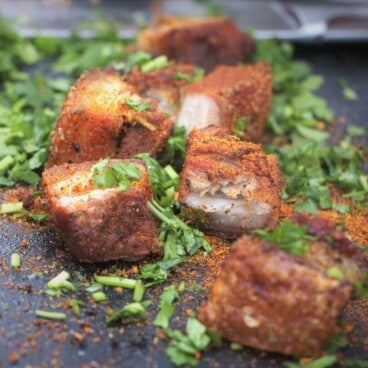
(310, 164)
(176, 237)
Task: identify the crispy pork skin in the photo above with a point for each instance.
(205, 42)
(163, 85)
(96, 122)
(233, 183)
(235, 97)
(101, 224)
(271, 300)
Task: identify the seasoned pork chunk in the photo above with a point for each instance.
(272, 300)
(232, 183)
(163, 85)
(101, 224)
(205, 42)
(102, 116)
(235, 97)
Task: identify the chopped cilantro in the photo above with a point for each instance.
(127, 312)
(120, 174)
(239, 126)
(166, 305)
(136, 104)
(175, 149)
(348, 92)
(198, 75)
(288, 236)
(322, 362)
(184, 348)
(156, 63)
(294, 103)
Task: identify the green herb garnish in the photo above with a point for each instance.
(15, 260)
(322, 362)
(130, 310)
(119, 174)
(116, 281)
(348, 92)
(157, 63)
(288, 236)
(198, 75)
(183, 348)
(239, 126)
(166, 305)
(61, 282)
(50, 315)
(137, 104)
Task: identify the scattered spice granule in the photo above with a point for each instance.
(88, 330)
(348, 328)
(13, 357)
(96, 340)
(78, 336)
(357, 227)
(189, 311)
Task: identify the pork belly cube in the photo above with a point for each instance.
(232, 183)
(235, 97)
(101, 224)
(163, 85)
(332, 249)
(205, 42)
(271, 300)
(102, 116)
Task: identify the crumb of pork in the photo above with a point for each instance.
(227, 95)
(270, 300)
(206, 42)
(235, 184)
(101, 224)
(96, 122)
(162, 85)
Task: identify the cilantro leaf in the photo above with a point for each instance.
(167, 308)
(119, 174)
(288, 236)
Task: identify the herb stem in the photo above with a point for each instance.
(15, 260)
(50, 315)
(61, 282)
(116, 281)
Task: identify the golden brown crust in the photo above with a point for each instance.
(238, 91)
(205, 42)
(95, 122)
(268, 299)
(104, 226)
